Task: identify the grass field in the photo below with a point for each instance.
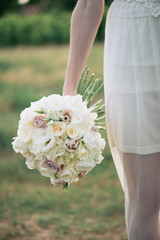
(30, 207)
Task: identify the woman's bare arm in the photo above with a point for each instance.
(85, 21)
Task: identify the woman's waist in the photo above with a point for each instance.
(135, 8)
(140, 1)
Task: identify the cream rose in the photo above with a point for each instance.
(46, 172)
(32, 163)
(58, 128)
(68, 175)
(74, 131)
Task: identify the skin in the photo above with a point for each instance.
(85, 20)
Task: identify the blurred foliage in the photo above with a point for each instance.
(8, 6)
(40, 29)
(35, 29)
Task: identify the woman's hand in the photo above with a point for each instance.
(85, 21)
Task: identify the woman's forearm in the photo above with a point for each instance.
(85, 21)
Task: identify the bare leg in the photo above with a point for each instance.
(142, 195)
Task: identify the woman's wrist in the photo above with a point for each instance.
(68, 89)
(70, 83)
(68, 92)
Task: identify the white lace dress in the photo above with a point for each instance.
(132, 78)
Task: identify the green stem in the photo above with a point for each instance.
(80, 81)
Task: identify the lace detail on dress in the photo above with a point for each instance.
(152, 5)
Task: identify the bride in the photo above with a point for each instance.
(132, 99)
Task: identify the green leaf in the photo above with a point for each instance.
(100, 118)
(65, 187)
(48, 119)
(38, 111)
(88, 83)
(80, 81)
(84, 81)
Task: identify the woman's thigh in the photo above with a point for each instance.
(142, 177)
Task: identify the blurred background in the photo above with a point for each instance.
(34, 45)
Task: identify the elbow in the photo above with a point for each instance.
(95, 8)
(91, 9)
(94, 3)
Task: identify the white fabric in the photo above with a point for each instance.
(132, 78)
(132, 102)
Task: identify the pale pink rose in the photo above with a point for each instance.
(82, 174)
(72, 145)
(59, 183)
(39, 122)
(95, 129)
(53, 166)
(67, 114)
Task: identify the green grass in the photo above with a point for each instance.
(30, 207)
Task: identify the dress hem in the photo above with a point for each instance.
(140, 150)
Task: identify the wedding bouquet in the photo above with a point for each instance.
(59, 135)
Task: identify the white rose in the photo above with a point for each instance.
(90, 140)
(19, 145)
(60, 141)
(46, 143)
(57, 128)
(60, 151)
(46, 172)
(93, 115)
(33, 148)
(40, 104)
(72, 163)
(55, 115)
(78, 104)
(27, 115)
(26, 124)
(88, 121)
(74, 102)
(32, 163)
(68, 175)
(74, 130)
(85, 165)
(51, 102)
(54, 102)
(67, 156)
(99, 159)
(101, 143)
(42, 141)
(77, 118)
(25, 131)
(60, 160)
(83, 152)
